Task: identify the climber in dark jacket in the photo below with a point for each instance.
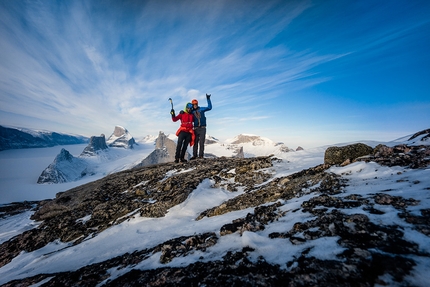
(200, 126)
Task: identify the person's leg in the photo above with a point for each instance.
(196, 140)
(179, 146)
(187, 139)
(202, 138)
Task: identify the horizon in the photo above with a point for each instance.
(140, 138)
(305, 73)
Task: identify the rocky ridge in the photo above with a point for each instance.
(13, 138)
(370, 251)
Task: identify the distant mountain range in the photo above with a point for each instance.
(101, 156)
(67, 168)
(17, 138)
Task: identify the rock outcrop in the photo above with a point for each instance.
(96, 145)
(413, 156)
(164, 151)
(403, 155)
(121, 138)
(346, 154)
(239, 153)
(422, 136)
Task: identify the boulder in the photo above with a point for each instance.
(346, 154)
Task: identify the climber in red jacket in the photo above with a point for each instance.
(185, 132)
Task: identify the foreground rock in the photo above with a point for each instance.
(346, 154)
(371, 253)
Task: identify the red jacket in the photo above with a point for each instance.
(186, 125)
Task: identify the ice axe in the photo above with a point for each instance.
(170, 99)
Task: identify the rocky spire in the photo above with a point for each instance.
(121, 138)
(164, 151)
(64, 168)
(96, 144)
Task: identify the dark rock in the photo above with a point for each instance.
(346, 154)
(424, 133)
(16, 208)
(402, 155)
(96, 145)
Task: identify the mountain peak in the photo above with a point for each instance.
(96, 145)
(64, 155)
(121, 138)
(243, 138)
(164, 151)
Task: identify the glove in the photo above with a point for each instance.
(172, 112)
(181, 112)
(208, 96)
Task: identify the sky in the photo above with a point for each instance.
(139, 233)
(305, 73)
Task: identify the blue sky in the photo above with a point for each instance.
(305, 73)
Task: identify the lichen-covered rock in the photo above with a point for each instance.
(338, 155)
(402, 155)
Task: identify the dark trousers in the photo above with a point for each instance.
(184, 139)
(200, 134)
